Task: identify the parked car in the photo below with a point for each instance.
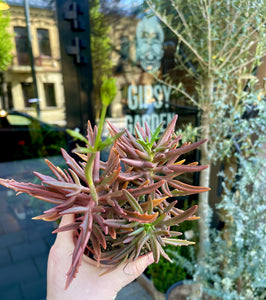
(24, 137)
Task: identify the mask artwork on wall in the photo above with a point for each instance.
(146, 102)
(149, 47)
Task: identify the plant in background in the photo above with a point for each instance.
(120, 206)
(220, 45)
(165, 273)
(235, 267)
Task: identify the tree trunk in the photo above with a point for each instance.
(204, 208)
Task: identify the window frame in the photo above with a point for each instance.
(21, 42)
(45, 40)
(48, 85)
(27, 104)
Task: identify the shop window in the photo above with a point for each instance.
(44, 42)
(22, 47)
(49, 94)
(28, 93)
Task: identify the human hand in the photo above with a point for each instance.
(88, 283)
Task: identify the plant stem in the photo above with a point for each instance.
(88, 174)
(92, 156)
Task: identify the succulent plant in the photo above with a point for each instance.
(120, 206)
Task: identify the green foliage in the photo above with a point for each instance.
(100, 49)
(109, 141)
(148, 144)
(217, 36)
(188, 132)
(236, 267)
(236, 126)
(100, 42)
(222, 45)
(164, 274)
(108, 93)
(6, 44)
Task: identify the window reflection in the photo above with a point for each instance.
(46, 51)
(28, 93)
(44, 42)
(22, 49)
(49, 94)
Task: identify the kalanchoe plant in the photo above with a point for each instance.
(120, 206)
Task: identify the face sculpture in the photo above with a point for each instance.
(150, 38)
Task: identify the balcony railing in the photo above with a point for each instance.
(23, 59)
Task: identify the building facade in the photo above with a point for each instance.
(46, 53)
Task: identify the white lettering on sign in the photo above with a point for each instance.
(153, 120)
(148, 97)
(132, 96)
(167, 92)
(139, 97)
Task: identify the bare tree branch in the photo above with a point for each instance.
(181, 16)
(231, 52)
(177, 89)
(244, 64)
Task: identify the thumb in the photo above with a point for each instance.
(136, 268)
(65, 236)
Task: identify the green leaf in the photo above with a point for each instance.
(155, 248)
(109, 141)
(180, 218)
(145, 145)
(154, 136)
(136, 231)
(176, 242)
(77, 136)
(140, 137)
(132, 201)
(84, 150)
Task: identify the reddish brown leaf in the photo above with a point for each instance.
(184, 149)
(155, 202)
(137, 163)
(143, 218)
(180, 218)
